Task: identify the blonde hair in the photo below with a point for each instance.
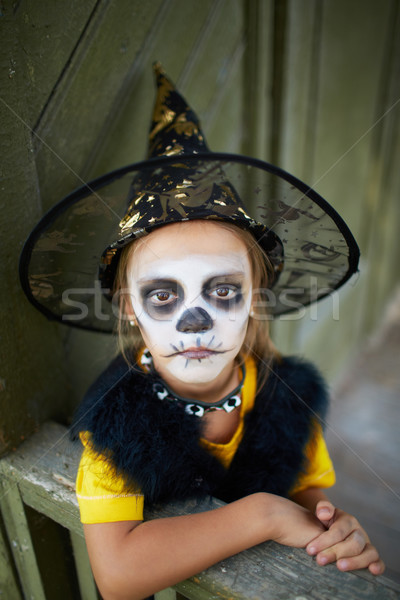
(257, 343)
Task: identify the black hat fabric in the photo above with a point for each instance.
(68, 263)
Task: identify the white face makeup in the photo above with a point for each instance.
(191, 290)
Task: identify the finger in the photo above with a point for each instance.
(377, 568)
(368, 558)
(336, 533)
(353, 546)
(325, 511)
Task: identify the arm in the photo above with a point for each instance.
(132, 560)
(345, 541)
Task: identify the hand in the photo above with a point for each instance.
(345, 542)
(291, 524)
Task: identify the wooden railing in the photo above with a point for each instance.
(41, 474)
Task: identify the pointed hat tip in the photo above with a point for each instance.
(158, 68)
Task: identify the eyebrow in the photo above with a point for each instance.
(237, 276)
(173, 281)
(161, 281)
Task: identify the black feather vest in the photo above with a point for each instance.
(155, 444)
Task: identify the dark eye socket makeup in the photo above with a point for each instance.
(164, 294)
(224, 290)
(158, 286)
(160, 296)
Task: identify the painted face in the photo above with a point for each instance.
(191, 290)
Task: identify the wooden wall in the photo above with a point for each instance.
(312, 85)
(339, 131)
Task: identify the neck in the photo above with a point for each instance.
(211, 391)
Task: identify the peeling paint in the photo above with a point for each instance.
(64, 481)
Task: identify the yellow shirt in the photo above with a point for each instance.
(102, 495)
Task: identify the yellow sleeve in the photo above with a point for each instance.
(101, 493)
(320, 472)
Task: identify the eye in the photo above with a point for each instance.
(162, 297)
(225, 292)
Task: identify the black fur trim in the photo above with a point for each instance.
(155, 444)
(271, 455)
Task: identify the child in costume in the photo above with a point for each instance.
(198, 403)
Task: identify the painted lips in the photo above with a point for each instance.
(197, 353)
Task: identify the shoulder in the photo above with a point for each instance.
(112, 375)
(298, 371)
(108, 396)
(298, 383)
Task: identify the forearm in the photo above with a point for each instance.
(131, 561)
(157, 554)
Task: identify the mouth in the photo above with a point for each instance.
(197, 353)
(194, 352)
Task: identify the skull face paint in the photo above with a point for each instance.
(191, 288)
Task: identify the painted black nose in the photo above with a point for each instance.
(194, 320)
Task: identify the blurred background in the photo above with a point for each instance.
(312, 86)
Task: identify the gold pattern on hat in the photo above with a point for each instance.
(182, 126)
(185, 183)
(162, 115)
(173, 150)
(172, 118)
(180, 188)
(140, 196)
(129, 220)
(108, 256)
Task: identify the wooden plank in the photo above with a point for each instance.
(59, 504)
(330, 103)
(32, 387)
(20, 539)
(268, 571)
(344, 151)
(87, 586)
(49, 32)
(226, 128)
(379, 222)
(214, 75)
(9, 588)
(258, 67)
(299, 100)
(207, 68)
(45, 472)
(70, 128)
(168, 594)
(193, 591)
(347, 95)
(297, 66)
(182, 21)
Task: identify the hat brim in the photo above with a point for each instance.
(59, 265)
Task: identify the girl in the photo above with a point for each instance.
(198, 402)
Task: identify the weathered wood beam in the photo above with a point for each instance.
(42, 472)
(16, 524)
(8, 582)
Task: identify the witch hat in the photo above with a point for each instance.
(68, 263)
